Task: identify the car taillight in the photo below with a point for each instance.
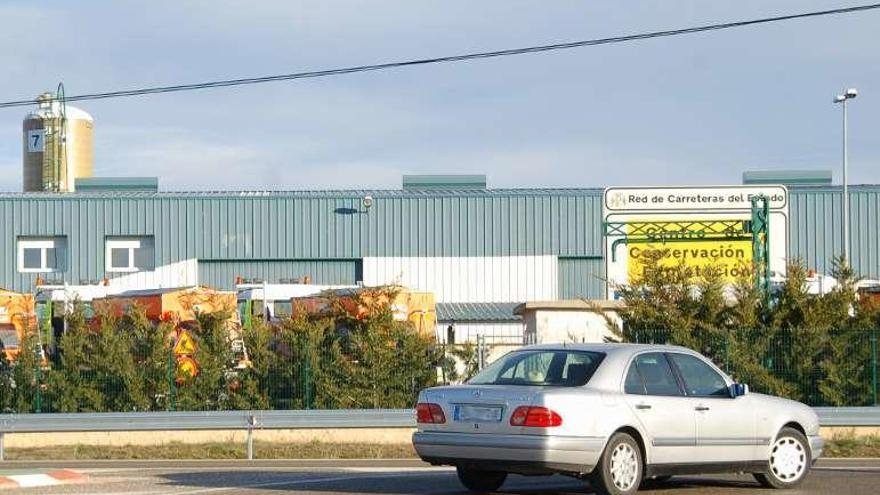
(427, 412)
(535, 416)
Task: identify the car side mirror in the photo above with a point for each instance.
(738, 389)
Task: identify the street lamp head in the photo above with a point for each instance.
(852, 93)
(839, 99)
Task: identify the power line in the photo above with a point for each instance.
(452, 58)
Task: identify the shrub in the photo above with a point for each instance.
(815, 348)
(126, 363)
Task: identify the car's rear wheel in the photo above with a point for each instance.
(480, 481)
(789, 462)
(620, 469)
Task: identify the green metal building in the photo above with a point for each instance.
(467, 243)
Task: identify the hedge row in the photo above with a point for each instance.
(126, 363)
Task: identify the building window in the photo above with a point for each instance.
(41, 254)
(130, 254)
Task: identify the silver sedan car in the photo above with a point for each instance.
(617, 415)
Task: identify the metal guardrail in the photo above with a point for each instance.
(207, 420)
(284, 420)
(848, 416)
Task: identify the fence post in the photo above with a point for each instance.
(307, 374)
(2, 447)
(172, 384)
(727, 353)
(38, 379)
(874, 365)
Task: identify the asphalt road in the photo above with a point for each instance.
(840, 477)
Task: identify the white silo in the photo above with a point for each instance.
(58, 146)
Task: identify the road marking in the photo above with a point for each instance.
(433, 469)
(847, 468)
(269, 484)
(33, 480)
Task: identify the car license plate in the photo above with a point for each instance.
(478, 414)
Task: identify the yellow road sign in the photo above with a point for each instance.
(185, 345)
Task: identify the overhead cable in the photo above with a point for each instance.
(436, 60)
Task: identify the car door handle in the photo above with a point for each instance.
(701, 408)
(643, 406)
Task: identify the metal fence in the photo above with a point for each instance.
(278, 374)
(817, 367)
(134, 370)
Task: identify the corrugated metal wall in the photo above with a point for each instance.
(815, 227)
(469, 279)
(221, 273)
(581, 278)
(302, 225)
(180, 274)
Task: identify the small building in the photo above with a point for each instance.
(495, 323)
(491, 327)
(577, 320)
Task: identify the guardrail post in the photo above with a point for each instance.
(252, 421)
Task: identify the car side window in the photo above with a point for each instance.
(633, 384)
(657, 375)
(700, 379)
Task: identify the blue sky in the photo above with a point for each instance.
(695, 109)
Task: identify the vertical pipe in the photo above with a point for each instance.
(2, 447)
(845, 189)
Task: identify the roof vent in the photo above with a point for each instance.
(117, 184)
(788, 177)
(415, 182)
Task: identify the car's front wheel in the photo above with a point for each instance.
(620, 469)
(481, 481)
(789, 461)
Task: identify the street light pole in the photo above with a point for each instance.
(844, 98)
(845, 186)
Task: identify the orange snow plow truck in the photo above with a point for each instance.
(406, 305)
(180, 307)
(16, 317)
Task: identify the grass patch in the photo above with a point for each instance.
(220, 450)
(849, 445)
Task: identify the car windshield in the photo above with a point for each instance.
(552, 368)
